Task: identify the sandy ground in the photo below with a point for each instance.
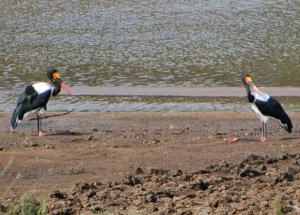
(100, 150)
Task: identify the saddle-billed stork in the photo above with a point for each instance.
(265, 107)
(35, 98)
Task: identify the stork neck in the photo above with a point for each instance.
(57, 87)
(249, 94)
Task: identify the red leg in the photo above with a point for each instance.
(264, 132)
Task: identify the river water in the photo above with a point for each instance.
(148, 43)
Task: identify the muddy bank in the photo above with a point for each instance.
(254, 185)
(184, 162)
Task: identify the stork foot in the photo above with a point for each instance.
(41, 134)
(263, 139)
(234, 140)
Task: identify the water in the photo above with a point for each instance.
(150, 104)
(147, 43)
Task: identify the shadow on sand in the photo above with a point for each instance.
(68, 132)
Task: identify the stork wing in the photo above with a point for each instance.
(28, 95)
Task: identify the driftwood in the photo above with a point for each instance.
(53, 115)
(295, 208)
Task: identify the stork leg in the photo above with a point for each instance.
(264, 132)
(39, 125)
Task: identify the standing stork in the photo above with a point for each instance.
(35, 98)
(265, 107)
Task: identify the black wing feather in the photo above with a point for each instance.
(273, 108)
(29, 100)
(28, 95)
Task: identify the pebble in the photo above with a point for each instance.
(223, 164)
(139, 170)
(213, 202)
(91, 194)
(150, 198)
(234, 198)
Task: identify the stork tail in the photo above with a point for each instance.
(286, 123)
(17, 115)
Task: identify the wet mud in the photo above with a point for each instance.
(152, 163)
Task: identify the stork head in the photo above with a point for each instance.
(246, 79)
(53, 74)
(54, 77)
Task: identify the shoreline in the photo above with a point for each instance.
(177, 91)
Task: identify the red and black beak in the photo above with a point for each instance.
(66, 89)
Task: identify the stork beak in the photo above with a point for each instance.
(66, 88)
